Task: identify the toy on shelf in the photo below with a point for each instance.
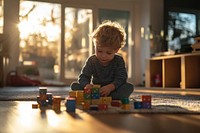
(196, 46)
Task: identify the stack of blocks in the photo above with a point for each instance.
(90, 99)
(42, 98)
(93, 100)
(71, 101)
(125, 103)
(98, 102)
(144, 104)
(47, 99)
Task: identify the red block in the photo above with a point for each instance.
(116, 103)
(103, 106)
(87, 90)
(146, 98)
(43, 97)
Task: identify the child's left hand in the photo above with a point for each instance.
(106, 90)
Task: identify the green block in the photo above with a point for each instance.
(125, 101)
(95, 90)
(87, 96)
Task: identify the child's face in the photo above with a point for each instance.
(104, 54)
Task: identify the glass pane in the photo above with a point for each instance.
(78, 24)
(182, 27)
(40, 36)
(122, 17)
(1, 16)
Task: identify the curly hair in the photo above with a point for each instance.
(109, 34)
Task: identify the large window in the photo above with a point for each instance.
(182, 27)
(40, 36)
(1, 16)
(78, 46)
(41, 43)
(40, 32)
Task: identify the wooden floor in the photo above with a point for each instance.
(19, 117)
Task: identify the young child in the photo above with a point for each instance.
(105, 67)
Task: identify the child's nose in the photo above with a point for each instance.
(104, 55)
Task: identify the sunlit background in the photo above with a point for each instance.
(40, 37)
(59, 47)
(181, 29)
(1, 16)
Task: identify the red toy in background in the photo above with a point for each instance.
(13, 79)
(158, 80)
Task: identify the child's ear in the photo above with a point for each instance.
(116, 50)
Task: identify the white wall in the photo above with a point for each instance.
(10, 31)
(147, 12)
(141, 46)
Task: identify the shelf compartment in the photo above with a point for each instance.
(192, 71)
(155, 68)
(172, 72)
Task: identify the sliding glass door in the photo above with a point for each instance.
(40, 26)
(78, 46)
(40, 35)
(55, 37)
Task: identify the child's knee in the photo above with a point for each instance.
(75, 86)
(129, 87)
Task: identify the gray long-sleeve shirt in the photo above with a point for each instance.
(115, 72)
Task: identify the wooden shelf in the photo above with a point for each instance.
(178, 71)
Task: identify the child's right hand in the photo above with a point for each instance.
(107, 89)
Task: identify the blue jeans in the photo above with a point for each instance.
(124, 91)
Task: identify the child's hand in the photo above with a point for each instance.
(106, 90)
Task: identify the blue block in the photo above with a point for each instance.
(137, 105)
(50, 102)
(43, 103)
(70, 105)
(146, 105)
(95, 95)
(94, 107)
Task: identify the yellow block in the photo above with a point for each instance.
(126, 106)
(87, 101)
(35, 106)
(106, 100)
(95, 101)
(72, 94)
(79, 93)
(96, 86)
